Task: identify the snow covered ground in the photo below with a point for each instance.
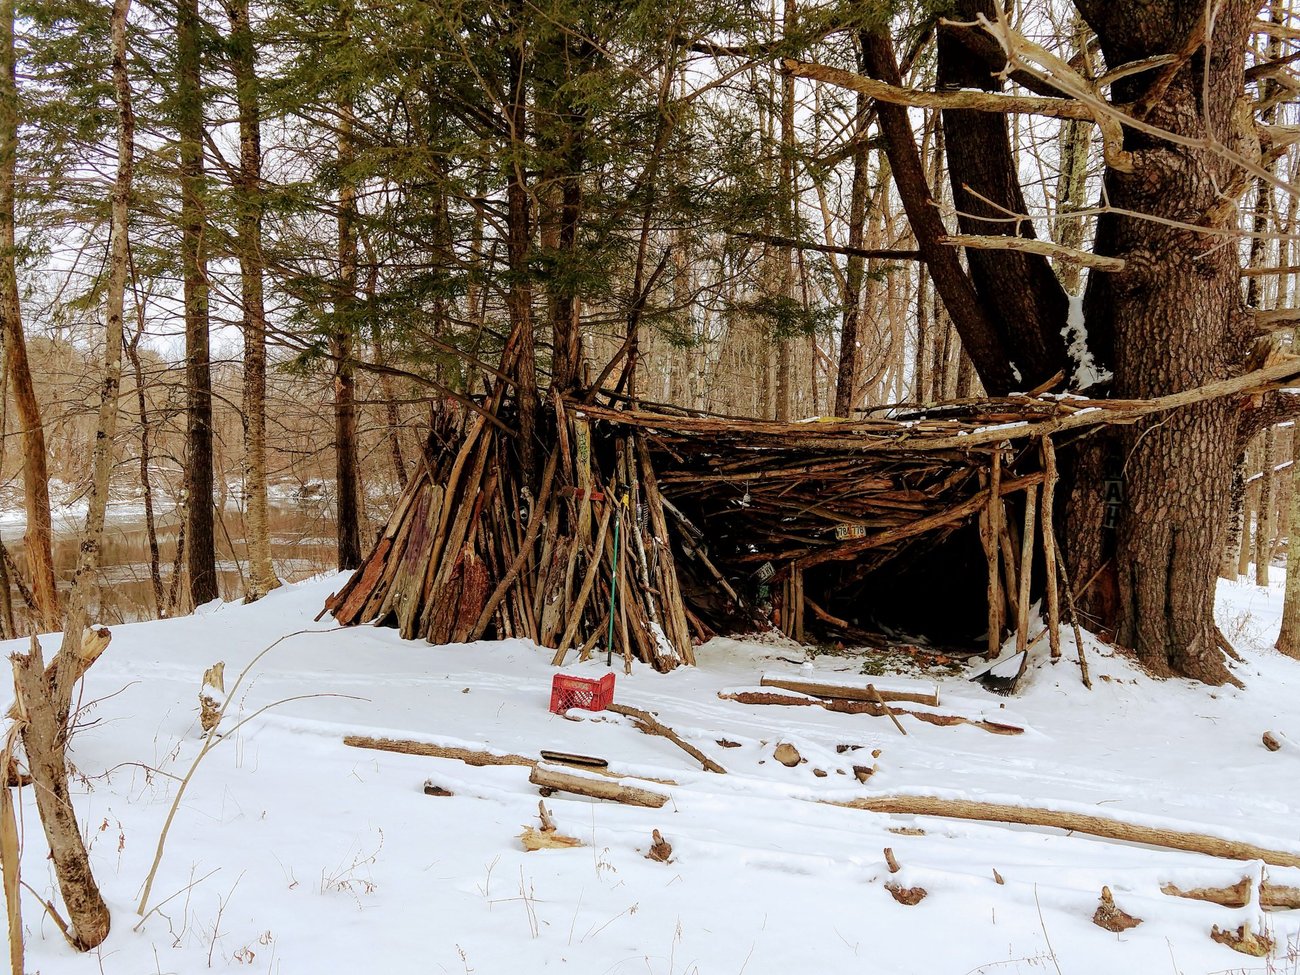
(294, 853)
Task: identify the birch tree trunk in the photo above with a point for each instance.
(1264, 516)
(85, 581)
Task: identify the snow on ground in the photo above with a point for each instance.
(293, 853)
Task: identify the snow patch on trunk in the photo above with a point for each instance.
(1086, 371)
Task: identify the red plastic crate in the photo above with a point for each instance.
(581, 692)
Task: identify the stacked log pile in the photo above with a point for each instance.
(566, 561)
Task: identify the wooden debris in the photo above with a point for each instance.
(549, 777)
(868, 707)
(436, 790)
(907, 896)
(787, 754)
(535, 839)
(652, 726)
(997, 877)
(727, 743)
(847, 692)
(891, 861)
(1272, 897)
(1113, 829)
(1238, 895)
(661, 850)
(1243, 940)
(863, 772)
(1110, 917)
(1272, 742)
(548, 837)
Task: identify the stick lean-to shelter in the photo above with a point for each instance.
(664, 526)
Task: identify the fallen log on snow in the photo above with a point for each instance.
(549, 777)
(651, 726)
(1111, 829)
(847, 692)
(472, 756)
(868, 707)
(467, 755)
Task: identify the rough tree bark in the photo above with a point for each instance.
(201, 554)
(347, 498)
(847, 373)
(519, 239)
(985, 184)
(1173, 320)
(243, 55)
(36, 489)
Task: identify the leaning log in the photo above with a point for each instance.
(652, 726)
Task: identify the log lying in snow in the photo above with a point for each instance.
(1111, 829)
(550, 777)
(867, 707)
(651, 726)
(847, 692)
(469, 756)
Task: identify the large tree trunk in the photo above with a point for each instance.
(85, 581)
(979, 332)
(346, 488)
(37, 539)
(846, 376)
(1175, 320)
(261, 572)
(519, 243)
(985, 186)
(202, 558)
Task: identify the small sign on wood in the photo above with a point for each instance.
(845, 531)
